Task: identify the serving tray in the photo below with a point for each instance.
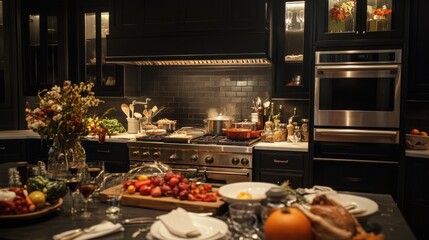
(166, 203)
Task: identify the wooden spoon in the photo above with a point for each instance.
(131, 106)
(126, 109)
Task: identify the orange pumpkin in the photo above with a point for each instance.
(288, 223)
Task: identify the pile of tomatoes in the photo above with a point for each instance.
(171, 185)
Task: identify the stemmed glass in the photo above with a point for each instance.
(113, 182)
(301, 19)
(289, 16)
(72, 182)
(86, 188)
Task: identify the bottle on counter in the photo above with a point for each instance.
(260, 123)
(304, 129)
(279, 114)
(294, 119)
(276, 199)
(290, 127)
(272, 116)
(268, 134)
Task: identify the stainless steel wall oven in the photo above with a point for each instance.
(356, 120)
(358, 88)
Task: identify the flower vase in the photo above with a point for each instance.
(61, 153)
(336, 26)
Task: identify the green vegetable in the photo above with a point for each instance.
(55, 190)
(113, 125)
(36, 183)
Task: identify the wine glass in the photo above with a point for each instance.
(86, 188)
(113, 182)
(289, 16)
(301, 19)
(296, 137)
(72, 183)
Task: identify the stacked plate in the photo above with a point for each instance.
(209, 227)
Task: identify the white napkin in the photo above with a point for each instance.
(179, 223)
(102, 229)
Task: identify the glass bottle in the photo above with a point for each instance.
(276, 199)
(294, 119)
(272, 117)
(14, 178)
(267, 135)
(304, 128)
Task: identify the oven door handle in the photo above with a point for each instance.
(356, 135)
(228, 173)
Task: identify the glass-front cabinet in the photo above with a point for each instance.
(351, 19)
(291, 49)
(107, 77)
(44, 32)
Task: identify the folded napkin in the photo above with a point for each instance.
(179, 223)
(102, 229)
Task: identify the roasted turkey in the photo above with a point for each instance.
(330, 220)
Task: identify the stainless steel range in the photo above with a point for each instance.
(217, 160)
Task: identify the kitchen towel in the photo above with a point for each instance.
(179, 223)
(99, 230)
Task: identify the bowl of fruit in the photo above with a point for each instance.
(417, 140)
(245, 191)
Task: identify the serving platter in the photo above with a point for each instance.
(166, 203)
(33, 215)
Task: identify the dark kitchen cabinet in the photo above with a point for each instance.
(8, 84)
(280, 166)
(375, 20)
(417, 196)
(93, 27)
(418, 81)
(114, 155)
(188, 29)
(12, 150)
(44, 44)
(357, 176)
(37, 150)
(292, 49)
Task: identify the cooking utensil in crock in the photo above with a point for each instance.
(215, 125)
(131, 106)
(237, 133)
(126, 109)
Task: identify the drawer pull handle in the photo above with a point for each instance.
(2, 148)
(281, 161)
(352, 179)
(103, 151)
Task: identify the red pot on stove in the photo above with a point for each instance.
(237, 133)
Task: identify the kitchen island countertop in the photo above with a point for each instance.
(282, 146)
(388, 219)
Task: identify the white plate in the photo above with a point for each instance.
(229, 192)
(210, 228)
(364, 206)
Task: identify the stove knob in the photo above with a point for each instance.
(145, 156)
(156, 156)
(136, 154)
(209, 159)
(235, 160)
(174, 157)
(244, 161)
(194, 158)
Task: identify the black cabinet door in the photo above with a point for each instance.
(357, 176)
(93, 27)
(167, 28)
(418, 82)
(44, 44)
(417, 195)
(12, 150)
(280, 166)
(114, 155)
(292, 49)
(375, 21)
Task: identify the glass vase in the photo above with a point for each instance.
(62, 154)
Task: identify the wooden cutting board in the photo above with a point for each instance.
(166, 203)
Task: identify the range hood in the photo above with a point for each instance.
(194, 35)
(247, 49)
